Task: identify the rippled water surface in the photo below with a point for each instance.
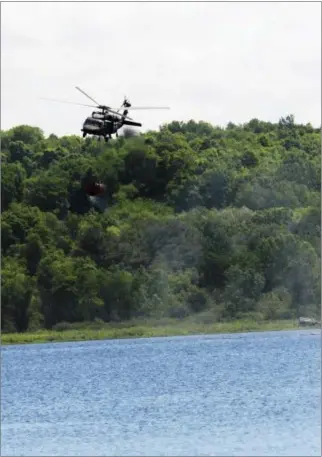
(249, 394)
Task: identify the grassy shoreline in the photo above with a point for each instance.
(145, 330)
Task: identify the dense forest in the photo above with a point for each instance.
(197, 219)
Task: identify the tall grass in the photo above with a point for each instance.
(142, 329)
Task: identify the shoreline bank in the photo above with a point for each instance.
(144, 330)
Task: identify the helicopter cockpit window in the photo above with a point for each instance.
(95, 122)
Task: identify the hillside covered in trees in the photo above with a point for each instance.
(200, 219)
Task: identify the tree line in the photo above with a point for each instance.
(198, 219)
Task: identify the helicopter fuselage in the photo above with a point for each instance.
(101, 124)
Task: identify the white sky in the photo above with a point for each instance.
(216, 62)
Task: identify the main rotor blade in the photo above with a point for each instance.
(64, 101)
(116, 112)
(106, 108)
(147, 107)
(86, 95)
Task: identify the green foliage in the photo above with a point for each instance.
(202, 221)
(26, 134)
(16, 293)
(12, 184)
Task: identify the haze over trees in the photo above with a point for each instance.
(220, 222)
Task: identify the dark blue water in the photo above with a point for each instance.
(250, 394)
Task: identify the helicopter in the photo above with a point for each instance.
(107, 121)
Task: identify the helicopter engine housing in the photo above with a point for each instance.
(97, 115)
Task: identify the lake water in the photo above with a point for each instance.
(225, 395)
